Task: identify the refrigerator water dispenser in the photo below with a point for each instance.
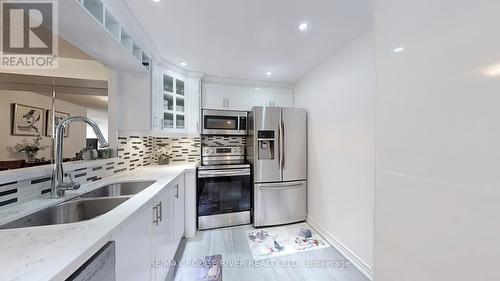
(265, 147)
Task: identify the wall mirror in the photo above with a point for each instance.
(27, 102)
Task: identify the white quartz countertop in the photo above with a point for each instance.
(54, 252)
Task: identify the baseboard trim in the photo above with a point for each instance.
(343, 250)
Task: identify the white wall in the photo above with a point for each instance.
(437, 209)
(339, 96)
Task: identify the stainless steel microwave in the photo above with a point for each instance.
(225, 122)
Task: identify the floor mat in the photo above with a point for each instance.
(209, 268)
(274, 242)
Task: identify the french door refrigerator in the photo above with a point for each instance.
(277, 150)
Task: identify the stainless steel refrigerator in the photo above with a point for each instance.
(277, 150)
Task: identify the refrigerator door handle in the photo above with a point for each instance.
(280, 147)
(283, 157)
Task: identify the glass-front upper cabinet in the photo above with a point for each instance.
(176, 102)
(174, 105)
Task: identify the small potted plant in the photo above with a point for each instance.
(30, 150)
(162, 155)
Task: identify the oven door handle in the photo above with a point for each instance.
(223, 173)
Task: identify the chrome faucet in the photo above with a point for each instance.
(57, 185)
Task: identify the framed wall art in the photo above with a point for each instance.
(59, 117)
(27, 120)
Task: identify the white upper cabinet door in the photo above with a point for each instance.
(193, 103)
(176, 100)
(260, 97)
(283, 98)
(237, 98)
(214, 97)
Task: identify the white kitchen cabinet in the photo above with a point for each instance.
(275, 97)
(172, 102)
(163, 248)
(176, 100)
(178, 211)
(133, 246)
(168, 228)
(146, 245)
(157, 101)
(130, 100)
(190, 215)
(214, 97)
(94, 27)
(240, 97)
(193, 118)
(237, 98)
(225, 97)
(260, 97)
(282, 98)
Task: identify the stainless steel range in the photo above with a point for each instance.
(224, 188)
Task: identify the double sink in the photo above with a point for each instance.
(84, 207)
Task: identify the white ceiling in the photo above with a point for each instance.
(247, 38)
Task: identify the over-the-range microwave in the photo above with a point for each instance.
(224, 122)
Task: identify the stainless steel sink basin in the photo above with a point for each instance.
(118, 189)
(75, 210)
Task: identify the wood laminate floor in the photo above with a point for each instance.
(238, 264)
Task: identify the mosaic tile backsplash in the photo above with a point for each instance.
(223, 141)
(133, 152)
(27, 188)
(138, 151)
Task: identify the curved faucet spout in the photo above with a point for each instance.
(58, 172)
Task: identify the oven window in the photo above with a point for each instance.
(223, 195)
(221, 123)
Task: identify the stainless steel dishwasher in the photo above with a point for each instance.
(100, 267)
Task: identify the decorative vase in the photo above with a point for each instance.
(163, 160)
(90, 154)
(30, 155)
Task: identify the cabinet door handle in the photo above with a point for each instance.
(155, 214)
(177, 191)
(162, 124)
(160, 211)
